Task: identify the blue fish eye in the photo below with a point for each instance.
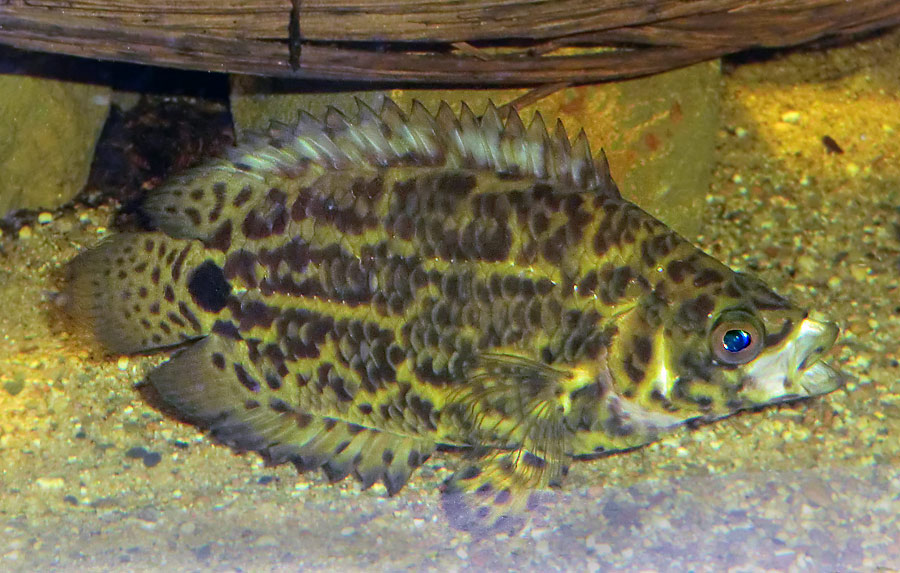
(736, 340)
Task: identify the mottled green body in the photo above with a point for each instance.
(363, 291)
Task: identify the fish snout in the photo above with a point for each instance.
(814, 339)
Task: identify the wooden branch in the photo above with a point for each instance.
(497, 42)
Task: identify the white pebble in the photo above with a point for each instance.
(45, 217)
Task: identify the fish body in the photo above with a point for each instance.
(352, 293)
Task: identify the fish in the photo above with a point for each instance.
(353, 292)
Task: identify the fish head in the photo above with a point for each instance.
(719, 346)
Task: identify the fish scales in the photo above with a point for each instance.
(356, 291)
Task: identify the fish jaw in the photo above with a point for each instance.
(793, 369)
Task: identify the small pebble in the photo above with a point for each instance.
(45, 218)
(859, 272)
(25, 232)
(50, 483)
(347, 531)
(13, 387)
(122, 363)
(152, 458)
(741, 132)
(188, 528)
(807, 264)
(266, 541)
(148, 514)
(203, 552)
(791, 117)
(852, 169)
(136, 452)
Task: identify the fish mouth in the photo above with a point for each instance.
(813, 340)
(794, 369)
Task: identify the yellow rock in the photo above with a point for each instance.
(48, 129)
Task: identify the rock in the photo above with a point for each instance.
(46, 483)
(657, 132)
(48, 129)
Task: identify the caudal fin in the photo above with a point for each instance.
(140, 291)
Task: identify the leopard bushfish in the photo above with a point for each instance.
(352, 292)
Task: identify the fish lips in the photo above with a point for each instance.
(794, 369)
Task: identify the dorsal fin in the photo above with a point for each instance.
(370, 140)
(391, 137)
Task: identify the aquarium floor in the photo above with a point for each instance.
(94, 478)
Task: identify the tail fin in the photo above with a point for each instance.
(140, 291)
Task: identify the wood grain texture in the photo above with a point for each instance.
(488, 42)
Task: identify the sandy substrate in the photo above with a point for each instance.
(94, 478)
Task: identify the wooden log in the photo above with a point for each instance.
(483, 42)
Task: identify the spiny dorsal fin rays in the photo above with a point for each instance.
(491, 131)
(390, 137)
(536, 147)
(317, 146)
(475, 147)
(404, 140)
(361, 139)
(510, 141)
(561, 150)
(448, 131)
(369, 141)
(424, 126)
(372, 134)
(583, 172)
(344, 134)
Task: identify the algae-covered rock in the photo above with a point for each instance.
(658, 132)
(48, 129)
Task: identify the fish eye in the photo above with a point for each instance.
(737, 338)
